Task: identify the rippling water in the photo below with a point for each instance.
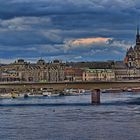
(71, 118)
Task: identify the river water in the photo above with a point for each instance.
(71, 118)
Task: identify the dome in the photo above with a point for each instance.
(41, 62)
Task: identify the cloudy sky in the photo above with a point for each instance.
(71, 30)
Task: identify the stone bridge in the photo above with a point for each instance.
(80, 85)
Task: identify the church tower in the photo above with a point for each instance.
(137, 49)
(132, 59)
(137, 37)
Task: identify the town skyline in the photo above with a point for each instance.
(69, 30)
(70, 69)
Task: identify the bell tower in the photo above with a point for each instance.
(138, 37)
(137, 49)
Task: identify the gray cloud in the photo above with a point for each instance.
(43, 28)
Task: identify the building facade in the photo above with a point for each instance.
(132, 59)
(98, 75)
(73, 74)
(32, 72)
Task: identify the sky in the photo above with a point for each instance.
(70, 30)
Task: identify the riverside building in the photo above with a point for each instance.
(32, 72)
(132, 58)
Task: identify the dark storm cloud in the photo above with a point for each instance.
(47, 28)
(14, 8)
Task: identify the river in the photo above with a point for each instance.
(71, 118)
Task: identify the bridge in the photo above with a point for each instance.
(63, 85)
(94, 86)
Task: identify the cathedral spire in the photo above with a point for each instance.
(137, 30)
(138, 36)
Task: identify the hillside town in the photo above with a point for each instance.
(58, 71)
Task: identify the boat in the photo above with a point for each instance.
(112, 90)
(14, 95)
(61, 94)
(5, 95)
(46, 93)
(129, 90)
(135, 89)
(29, 94)
(104, 91)
(26, 95)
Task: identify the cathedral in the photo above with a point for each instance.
(132, 58)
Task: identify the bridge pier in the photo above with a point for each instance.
(95, 96)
